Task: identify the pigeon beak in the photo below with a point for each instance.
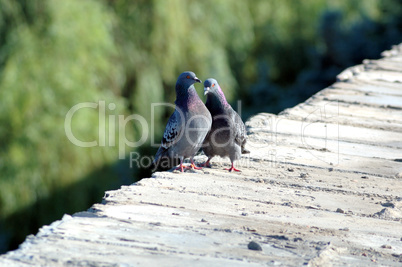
(206, 90)
(197, 80)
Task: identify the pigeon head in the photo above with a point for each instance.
(211, 86)
(214, 92)
(186, 79)
(185, 90)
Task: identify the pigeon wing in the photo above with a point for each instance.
(173, 130)
(172, 134)
(239, 130)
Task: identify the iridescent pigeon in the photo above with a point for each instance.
(187, 126)
(227, 136)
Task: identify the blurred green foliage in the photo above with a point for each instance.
(55, 54)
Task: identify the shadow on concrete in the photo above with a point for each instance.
(68, 200)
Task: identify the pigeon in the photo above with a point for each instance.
(227, 136)
(187, 126)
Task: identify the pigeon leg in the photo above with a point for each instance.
(233, 169)
(193, 165)
(207, 164)
(181, 167)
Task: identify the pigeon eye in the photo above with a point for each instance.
(213, 85)
(188, 77)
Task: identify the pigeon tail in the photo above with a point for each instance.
(245, 151)
(158, 155)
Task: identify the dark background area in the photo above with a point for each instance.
(268, 54)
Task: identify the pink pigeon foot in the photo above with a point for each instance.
(232, 169)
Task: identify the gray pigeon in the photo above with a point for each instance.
(227, 136)
(187, 126)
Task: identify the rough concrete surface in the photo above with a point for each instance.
(322, 186)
